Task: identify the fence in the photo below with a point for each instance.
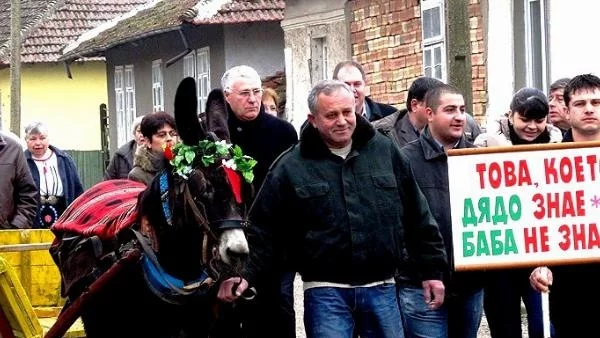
(90, 166)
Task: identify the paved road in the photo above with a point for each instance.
(298, 305)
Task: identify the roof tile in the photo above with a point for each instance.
(58, 25)
(167, 15)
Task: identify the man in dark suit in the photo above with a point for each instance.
(405, 126)
(353, 74)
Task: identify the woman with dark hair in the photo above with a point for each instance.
(526, 123)
(159, 131)
(54, 173)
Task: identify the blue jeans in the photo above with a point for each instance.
(286, 304)
(459, 317)
(334, 312)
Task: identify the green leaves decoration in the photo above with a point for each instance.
(186, 156)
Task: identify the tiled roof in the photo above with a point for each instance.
(168, 15)
(62, 24)
(32, 13)
(245, 11)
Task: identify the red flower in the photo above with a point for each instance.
(169, 152)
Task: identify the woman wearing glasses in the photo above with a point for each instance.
(159, 131)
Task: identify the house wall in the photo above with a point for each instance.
(305, 21)
(573, 49)
(164, 46)
(386, 39)
(500, 60)
(69, 107)
(256, 44)
(563, 39)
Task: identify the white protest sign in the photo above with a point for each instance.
(525, 205)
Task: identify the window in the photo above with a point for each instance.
(157, 86)
(535, 44)
(433, 29)
(318, 60)
(203, 76)
(124, 102)
(189, 65)
(120, 104)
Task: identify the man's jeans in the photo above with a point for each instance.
(288, 315)
(459, 317)
(331, 312)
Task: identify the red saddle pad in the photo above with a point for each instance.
(103, 210)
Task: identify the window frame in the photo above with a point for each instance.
(202, 88)
(125, 114)
(529, 48)
(434, 42)
(158, 98)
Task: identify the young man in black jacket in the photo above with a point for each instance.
(573, 287)
(343, 205)
(461, 315)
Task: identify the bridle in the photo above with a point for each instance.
(165, 286)
(201, 219)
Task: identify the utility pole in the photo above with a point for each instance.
(15, 67)
(459, 49)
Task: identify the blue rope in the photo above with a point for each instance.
(164, 193)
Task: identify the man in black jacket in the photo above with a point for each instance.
(343, 205)
(573, 287)
(264, 137)
(353, 74)
(460, 316)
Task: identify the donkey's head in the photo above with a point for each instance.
(201, 192)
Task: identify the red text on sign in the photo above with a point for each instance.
(579, 236)
(566, 169)
(566, 204)
(504, 173)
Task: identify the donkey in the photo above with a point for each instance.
(188, 223)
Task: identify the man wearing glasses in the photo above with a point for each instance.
(264, 137)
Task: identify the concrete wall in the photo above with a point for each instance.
(69, 107)
(304, 21)
(258, 45)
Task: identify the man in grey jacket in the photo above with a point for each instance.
(405, 125)
(18, 193)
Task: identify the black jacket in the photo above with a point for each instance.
(121, 162)
(430, 164)
(378, 110)
(343, 221)
(263, 138)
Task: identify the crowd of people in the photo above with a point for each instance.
(357, 203)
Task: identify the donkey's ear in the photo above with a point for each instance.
(216, 114)
(186, 117)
